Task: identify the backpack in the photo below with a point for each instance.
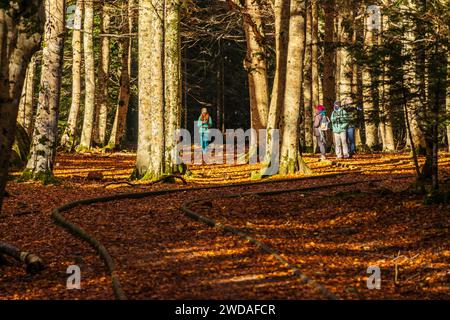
(324, 123)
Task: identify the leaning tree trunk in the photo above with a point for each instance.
(281, 11)
(43, 146)
(89, 67)
(70, 132)
(26, 105)
(172, 82)
(16, 49)
(256, 67)
(101, 109)
(329, 58)
(120, 118)
(150, 151)
(290, 159)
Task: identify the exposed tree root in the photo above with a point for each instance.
(101, 250)
(33, 263)
(211, 222)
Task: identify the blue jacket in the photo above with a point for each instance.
(205, 125)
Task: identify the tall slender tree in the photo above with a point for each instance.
(172, 81)
(119, 125)
(21, 26)
(150, 152)
(43, 147)
(89, 70)
(26, 106)
(329, 56)
(70, 132)
(290, 158)
(101, 110)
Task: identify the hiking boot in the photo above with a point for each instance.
(322, 158)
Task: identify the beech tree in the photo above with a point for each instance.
(89, 67)
(43, 146)
(70, 132)
(25, 116)
(21, 27)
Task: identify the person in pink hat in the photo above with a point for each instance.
(321, 126)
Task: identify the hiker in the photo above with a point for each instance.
(340, 124)
(204, 123)
(321, 126)
(352, 116)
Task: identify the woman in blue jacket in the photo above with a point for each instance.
(204, 123)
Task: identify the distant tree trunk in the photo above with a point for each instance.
(26, 105)
(281, 11)
(150, 152)
(315, 82)
(370, 105)
(102, 81)
(69, 136)
(447, 101)
(329, 58)
(290, 158)
(307, 101)
(172, 82)
(220, 97)
(120, 119)
(43, 146)
(386, 126)
(16, 49)
(89, 69)
(256, 66)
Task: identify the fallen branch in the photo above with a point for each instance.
(33, 263)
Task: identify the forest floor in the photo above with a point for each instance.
(330, 234)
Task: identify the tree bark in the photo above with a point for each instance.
(102, 81)
(329, 58)
(290, 159)
(172, 77)
(120, 119)
(370, 107)
(307, 83)
(43, 146)
(18, 42)
(281, 11)
(89, 67)
(70, 133)
(150, 152)
(256, 67)
(26, 105)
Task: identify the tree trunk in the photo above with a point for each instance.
(26, 105)
(89, 69)
(290, 159)
(307, 92)
(370, 107)
(256, 67)
(69, 136)
(447, 101)
(17, 45)
(329, 58)
(150, 152)
(386, 126)
(102, 81)
(120, 119)
(281, 11)
(172, 82)
(43, 146)
(315, 82)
